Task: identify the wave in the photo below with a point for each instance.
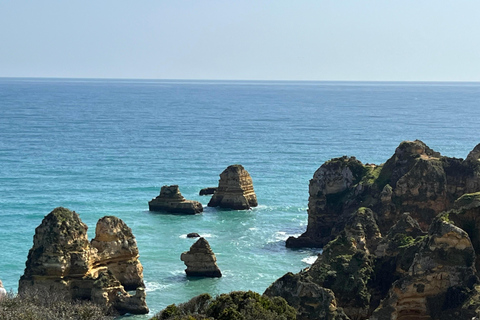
(310, 260)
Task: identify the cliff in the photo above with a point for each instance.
(400, 240)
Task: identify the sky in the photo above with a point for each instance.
(335, 40)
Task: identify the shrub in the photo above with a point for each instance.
(37, 304)
(237, 305)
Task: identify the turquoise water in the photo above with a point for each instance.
(105, 147)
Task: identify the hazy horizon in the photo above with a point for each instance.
(419, 41)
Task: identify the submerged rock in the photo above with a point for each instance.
(200, 260)
(235, 190)
(62, 259)
(171, 200)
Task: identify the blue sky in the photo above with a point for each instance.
(371, 40)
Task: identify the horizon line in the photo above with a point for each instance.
(238, 80)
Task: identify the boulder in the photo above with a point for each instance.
(208, 191)
(172, 201)
(200, 260)
(235, 190)
(62, 259)
(193, 235)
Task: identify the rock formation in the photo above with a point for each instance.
(235, 190)
(193, 235)
(117, 249)
(415, 179)
(442, 268)
(171, 200)
(62, 259)
(207, 191)
(3, 292)
(309, 299)
(380, 262)
(200, 260)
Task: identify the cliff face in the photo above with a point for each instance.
(62, 259)
(235, 190)
(415, 179)
(400, 240)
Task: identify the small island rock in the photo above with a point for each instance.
(200, 260)
(235, 190)
(207, 191)
(171, 200)
(193, 235)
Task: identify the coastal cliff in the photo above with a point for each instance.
(400, 240)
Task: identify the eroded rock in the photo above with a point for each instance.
(171, 200)
(415, 179)
(62, 259)
(235, 190)
(200, 260)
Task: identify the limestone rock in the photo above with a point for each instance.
(207, 191)
(235, 190)
(309, 299)
(117, 249)
(171, 200)
(62, 259)
(444, 263)
(3, 292)
(200, 260)
(415, 179)
(474, 155)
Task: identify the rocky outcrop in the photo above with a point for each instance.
(443, 265)
(171, 200)
(235, 190)
(200, 260)
(117, 249)
(207, 191)
(378, 260)
(415, 179)
(62, 259)
(309, 299)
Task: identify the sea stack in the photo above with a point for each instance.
(172, 201)
(200, 260)
(235, 190)
(63, 260)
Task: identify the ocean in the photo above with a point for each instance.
(105, 147)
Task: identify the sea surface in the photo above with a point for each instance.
(105, 147)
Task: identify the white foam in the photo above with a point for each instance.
(206, 235)
(154, 286)
(310, 260)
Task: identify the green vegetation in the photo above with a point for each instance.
(237, 305)
(48, 305)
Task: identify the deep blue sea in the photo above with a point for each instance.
(105, 147)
